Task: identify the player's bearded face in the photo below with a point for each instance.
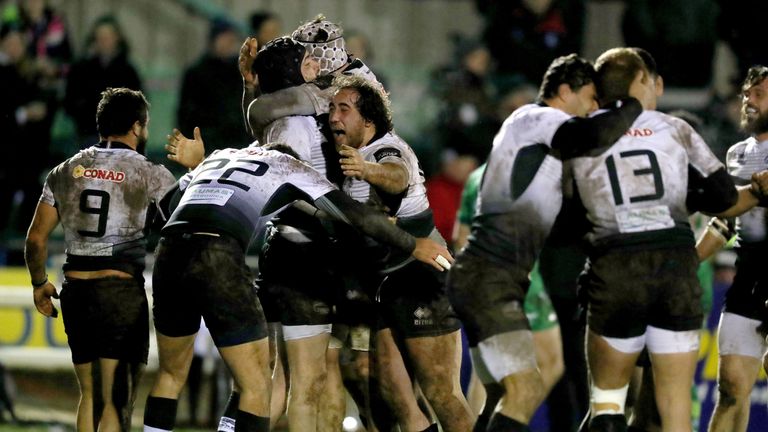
(141, 144)
(347, 125)
(754, 108)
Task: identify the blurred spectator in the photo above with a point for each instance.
(524, 36)
(105, 65)
(513, 99)
(721, 125)
(444, 190)
(741, 25)
(468, 120)
(211, 91)
(47, 54)
(265, 26)
(46, 36)
(23, 109)
(358, 46)
(680, 34)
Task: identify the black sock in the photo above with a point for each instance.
(431, 428)
(227, 420)
(160, 413)
(247, 422)
(501, 423)
(608, 423)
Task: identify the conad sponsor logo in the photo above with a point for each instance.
(98, 174)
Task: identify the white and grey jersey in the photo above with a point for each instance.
(390, 148)
(237, 191)
(104, 196)
(521, 191)
(301, 133)
(635, 192)
(744, 159)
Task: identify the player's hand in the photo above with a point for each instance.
(42, 297)
(760, 183)
(352, 163)
(245, 60)
(428, 251)
(184, 151)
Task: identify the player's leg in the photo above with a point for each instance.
(510, 359)
(611, 363)
(396, 385)
(549, 356)
(740, 349)
(175, 357)
(673, 378)
(280, 374)
(414, 305)
(180, 277)
(489, 300)
(279, 382)
(334, 400)
(437, 361)
(306, 361)
(546, 331)
(85, 403)
(110, 417)
(249, 364)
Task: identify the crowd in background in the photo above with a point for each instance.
(43, 71)
(489, 76)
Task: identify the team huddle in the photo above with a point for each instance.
(351, 259)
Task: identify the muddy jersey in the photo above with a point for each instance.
(104, 196)
(411, 207)
(521, 191)
(635, 192)
(391, 149)
(303, 135)
(237, 191)
(743, 160)
(749, 284)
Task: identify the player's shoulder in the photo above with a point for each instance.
(389, 145)
(741, 146)
(532, 116)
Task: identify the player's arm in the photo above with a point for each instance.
(304, 100)
(390, 177)
(245, 59)
(36, 253)
(716, 194)
(376, 225)
(719, 231)
(580, 135)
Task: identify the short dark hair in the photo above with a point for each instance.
(373, 103)
(118, 109)
(616, 70)
(571, 69)
(755, 75)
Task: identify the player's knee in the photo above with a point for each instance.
(438, 391)
(552, 365)
(731, 392)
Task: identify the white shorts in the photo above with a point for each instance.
(294, 332)
(505, 354)
(658, 341)
(737, 335)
